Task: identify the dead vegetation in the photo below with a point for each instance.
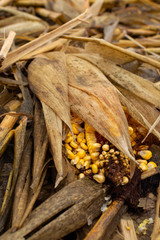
(65, 64)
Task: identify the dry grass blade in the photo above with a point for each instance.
(48, 80)
(155, 234)
(5, 2)
(8, 121)
(57, 44)
(153, 127)
(23, 27)
(95, 100)
(32, 200)
(21, 14)
(131, 82)
(40, 145)
(112, 52)
(7, 45)
(27, 48)
(20, 132)
(22, 187)
(4, 211)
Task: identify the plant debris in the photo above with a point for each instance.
(80, 119)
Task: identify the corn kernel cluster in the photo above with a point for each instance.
(98, 159)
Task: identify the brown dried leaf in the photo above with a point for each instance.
(108, 52)
(95, 100)
(144, 112)
(48, 80)
(131, 82)
(54, 129)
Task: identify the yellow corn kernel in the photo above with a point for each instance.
(142, 161)
(81, 153)
(134, 135)
(88, 128)
(143, 167)
(86, 164)
(68, 139)
(102, 171)
(79, 165)
(101, 157)
(94, 156)
(130, 129)
(97, 162)
(83, 145)
(77, 126)
(81, 175)
(104, 153)
(111, 150)
(87, 158)
(75, 160)
(133, 143)
(84, 140)
(80, 137)
(75, 130)
(68, 147)
(105, 147)
(145, 154)
(151, 165)
(70, 154)
(90, 137)
(81, 161)
(125, 180)
(96, 147)
(143, 147)
(101, 164)
(73, 144)
(94, 168)
(100, 178)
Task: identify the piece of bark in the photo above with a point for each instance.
(107, 223)
(69, 209)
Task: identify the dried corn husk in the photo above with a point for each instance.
(95, 100)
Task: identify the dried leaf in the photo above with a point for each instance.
(48, 80)
(95, 100)
(54, 129)
(144, 113)
(131, 82)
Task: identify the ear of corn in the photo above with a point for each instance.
(97, 158)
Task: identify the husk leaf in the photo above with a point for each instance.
(95, 100)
